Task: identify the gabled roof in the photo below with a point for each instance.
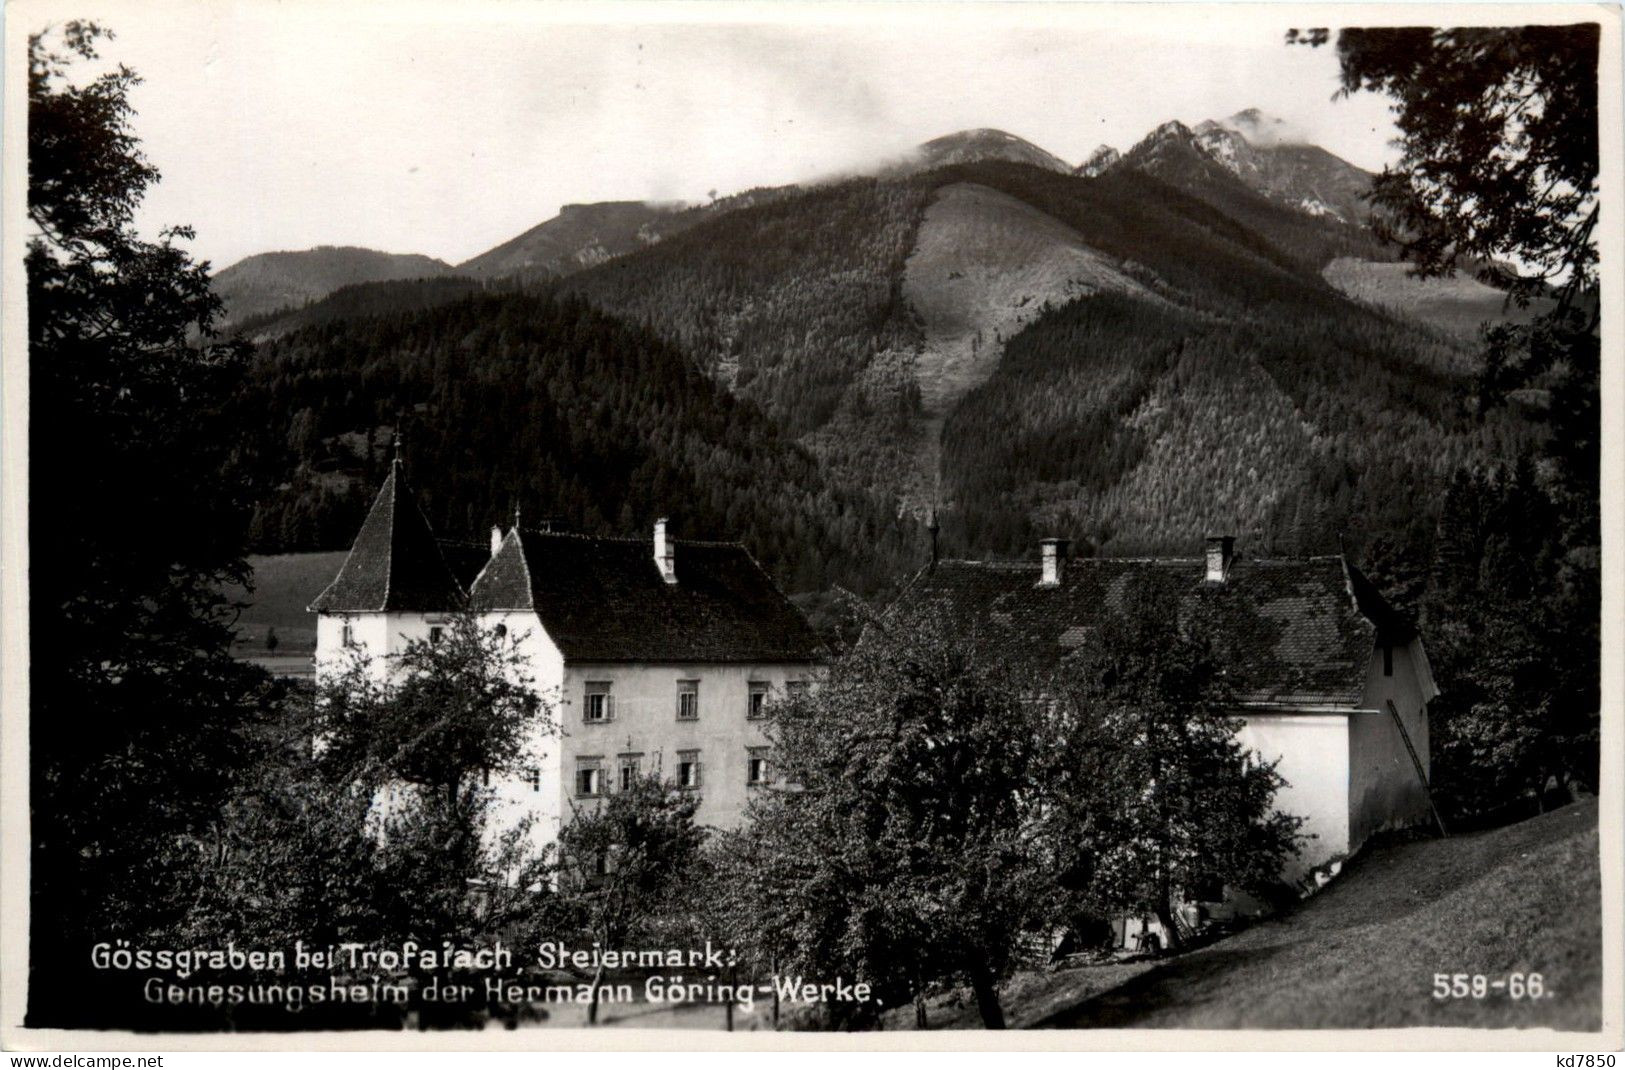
(604, 599)
(1291, 632)
(395, 563)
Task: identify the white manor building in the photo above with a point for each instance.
(655, 655)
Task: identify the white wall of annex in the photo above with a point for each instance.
(1313, 752)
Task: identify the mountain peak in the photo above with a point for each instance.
(1173, 129)
(1259, 129)
(982, 143)
(1098, 162)
(1266, 153)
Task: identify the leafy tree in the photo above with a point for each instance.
(1499, 132)
(135, 523)
(440, 714)
(899, 845)
(624, 865)
(1498, 127)
(1500, 635)
(1153, 798)
(740, 897)
(367, 815)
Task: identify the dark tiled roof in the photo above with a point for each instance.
(465, 559)
(395, 564)
(1296, 632)
(603, 599)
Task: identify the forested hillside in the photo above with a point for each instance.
(795, 305)
(1237, 391)
(1118, 359)
(268, 282)
(523, 400)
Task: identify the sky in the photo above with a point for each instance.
(446, 129)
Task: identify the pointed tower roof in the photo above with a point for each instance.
(395, 563)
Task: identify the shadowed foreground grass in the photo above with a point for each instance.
(1362, 954)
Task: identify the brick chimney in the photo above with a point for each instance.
(1053, 554)
(496, 539)
(1220, 551)
(664, 556)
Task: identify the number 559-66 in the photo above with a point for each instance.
(1477, 986)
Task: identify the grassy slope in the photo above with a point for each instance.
(284, 584)
(1458, 305)
(1362, 954)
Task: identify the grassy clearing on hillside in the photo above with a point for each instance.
(1458, 305)
(284, 584)
(1362, 954)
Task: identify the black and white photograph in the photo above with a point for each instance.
(544, 524)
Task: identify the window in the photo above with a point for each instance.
(794, 689)
(758, 699)
(688, 769)
(589, 779)
(533, 777)
(436, 633)
(1387, 660)
(688, 700)
(599, 706)
(629, 771)
(347, 634)
(502, 631)
(485, 777)
(756, 767)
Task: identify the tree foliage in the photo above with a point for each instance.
(440, 712)
(896, 841)
(625, 866)
(1498, 127)
(1508, 636)
(135, 522)
(529, 400)
(370, 815)
(1154, 800)
(1500, 140)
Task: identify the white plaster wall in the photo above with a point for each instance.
(1384, 791)
(1313, 751)
(515, 798)
(378, 636)
(645, 723)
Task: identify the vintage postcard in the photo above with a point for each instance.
(553, 525)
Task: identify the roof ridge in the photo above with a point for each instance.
(631, 540)
(579, 535)
(394, 528)
(1142, 560)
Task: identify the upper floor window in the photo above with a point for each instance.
(347, 634)
(756, 770)
(757, 700)
(501, 631)
(436, 633)
(688, 700)
(600, 705)
(688, 769)
(533, 777)
(794, 689)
